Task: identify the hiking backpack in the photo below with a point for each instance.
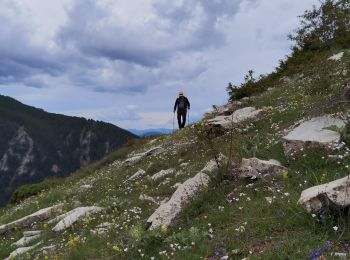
(182, 103)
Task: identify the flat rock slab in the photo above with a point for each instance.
(137, 175)
(21, 251)
(74, 215)
(162, 174)
(312, 132)
(237, 117)
(38, 216)
(337, 57)
(182, 197)
(254, 168)
(334, 195)
(26, 240)
(139, 157)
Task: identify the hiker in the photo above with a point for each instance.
(181, 104)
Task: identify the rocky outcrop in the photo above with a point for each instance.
(255, 168)
(337, 57)
(21, 251)
(162, 174)
(38, 216)
(140, 156)
(74, 215)
(27, 238)
(334, 195)
(237, 117)
(185, 193)
(137, 175)
(312, 132)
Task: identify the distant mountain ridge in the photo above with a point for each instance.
(151, 131)
(35, 144)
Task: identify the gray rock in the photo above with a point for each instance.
(38, 216)
(139, 157)
(185, 193)
(334, 195)
(336, 57)
(32, 233)
(26, 240)
(21, 251)
(162, 174)
(237, 117)
(74, 215)
(312, 132)
(254, 168)
(137, 175)
(148, 198)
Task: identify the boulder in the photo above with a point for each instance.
(312, 132)
(26, 240)
(333, 195)
(254, 168)
(38, 216)
(237, 117)
(337, 57)
(21, 251)
(139, 157)
(74, 215)
(137, 175)
(162, 174)
(185, 193)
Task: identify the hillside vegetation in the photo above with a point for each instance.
(230, 217)
(35, 145)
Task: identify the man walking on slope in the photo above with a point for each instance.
(181, 104)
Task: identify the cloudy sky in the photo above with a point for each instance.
(124, 61)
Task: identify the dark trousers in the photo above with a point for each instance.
(181, 114)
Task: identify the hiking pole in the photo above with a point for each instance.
(173, 122)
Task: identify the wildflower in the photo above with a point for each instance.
(116, 249)
(335, 228)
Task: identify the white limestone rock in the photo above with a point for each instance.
(38, 216)
(237, 117)
(312, 132)
(334, 195)
(182, 197)
(32, 233)
(26, 240)
(102, 228)
(254, 168)
(21, 251)
(137, 175)
(139, 157)
(337, 57)
(162, 174)
(75, 215)
(86, 187)
(144, 197)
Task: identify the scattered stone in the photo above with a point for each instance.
(148, 198)
(48, 249)
(337, 57)
(84, 188)
(31, 233)
(269, 199)
(26, 240)
(139, 157)
(341, 255)
(312, 132)
(334, 195)
(184, 165)
(102, 228)
(74, 215)
(185, 193)
(255, 168)
(137, 175)
(162, 174)
(21, 251)
(38, 216)
(237, 117)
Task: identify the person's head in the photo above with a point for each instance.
(181, 94)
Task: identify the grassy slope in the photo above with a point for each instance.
(231, 218)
